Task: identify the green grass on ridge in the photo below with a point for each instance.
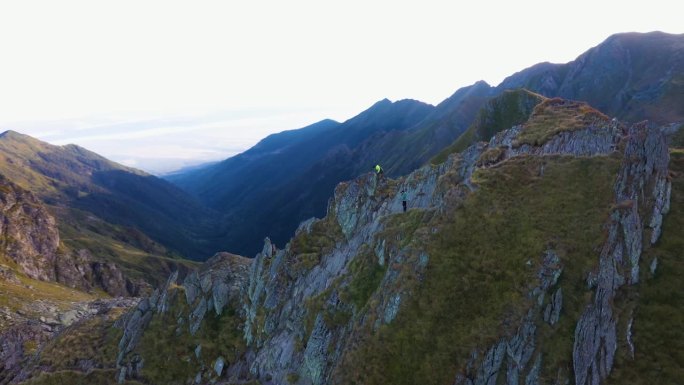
(478, 276)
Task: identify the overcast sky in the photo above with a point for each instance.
(163, 84)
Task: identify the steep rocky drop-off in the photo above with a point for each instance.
(520, 260)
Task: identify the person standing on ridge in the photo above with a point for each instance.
(403, 199)
(378, 171)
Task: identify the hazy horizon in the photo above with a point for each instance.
(161, 86)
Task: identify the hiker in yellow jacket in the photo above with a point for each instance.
(378, 171)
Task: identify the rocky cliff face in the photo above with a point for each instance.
(50, 329)
(361, 209)
(28, 232)
(364, 295)
(29, 239)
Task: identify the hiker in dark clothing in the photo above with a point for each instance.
(403, 199)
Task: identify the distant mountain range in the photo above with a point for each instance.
(288, 177)
(632, 76)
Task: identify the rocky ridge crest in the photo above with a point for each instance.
(306, 306)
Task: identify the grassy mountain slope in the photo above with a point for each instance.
(70, 178)
(511, 108)
(483, 261)
(257, 166)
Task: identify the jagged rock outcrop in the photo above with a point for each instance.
(359, 213)
(642, 181)
(351, 274)
(216, 286)
(28, 233)
(290, 338)
(134, 324)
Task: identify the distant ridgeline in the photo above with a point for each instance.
(289, 177)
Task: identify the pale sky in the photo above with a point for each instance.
(163, 84)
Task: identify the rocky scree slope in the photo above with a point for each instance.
(519, 261)
(46, 288)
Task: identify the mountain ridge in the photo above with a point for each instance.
(515, 268)
(647, 91)
(618, 77)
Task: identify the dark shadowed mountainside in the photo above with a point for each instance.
(632, 76)
(289, 177)
(401, 152)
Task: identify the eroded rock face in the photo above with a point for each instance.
(134, 324)
(645, 164)
(219, 283)
(13, 342)
(298, 324)
(28, 233)
(590, 141)
(29, 237)
(517, 350)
